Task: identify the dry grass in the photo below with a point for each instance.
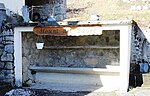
(108, 9)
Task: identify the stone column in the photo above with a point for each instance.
(6, 56)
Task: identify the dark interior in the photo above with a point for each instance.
(37, 2)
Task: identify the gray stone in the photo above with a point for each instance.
(2, 76)
(29, 82)
(29, 36)
(8, 71)
(9, 48)
(137, 44)
(26, 51)
(10, 81)
(8, 42)
(25, 60)
(19, 92)
(9, 76)
(2, 64)
(25, 68)
(9, 38)
(6, 57)
(1, 45)
(1, 39)
(8, 32)
(9, 66)
(91, 61)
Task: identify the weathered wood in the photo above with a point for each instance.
(50, 30)
(68, 30)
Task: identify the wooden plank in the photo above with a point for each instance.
(50, 30)
(68, 30)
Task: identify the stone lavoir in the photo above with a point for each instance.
(76, 55)
(94, 59)
(79, 61)
(98, 58)
(82, 60)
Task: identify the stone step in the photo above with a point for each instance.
(146, 80)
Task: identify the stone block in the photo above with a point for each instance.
(91, 61)
(1, 45)
(8, 42)
(9, 81)
(9, 76)
(9, 71)
(2, 64)
(9, 38)
(8, 32)
(9, 66)
(19, 92)
(9, 48)
(2, 76)
(7, 57)
(29, 82)
(1, 39)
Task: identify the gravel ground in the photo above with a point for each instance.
(45, 92)
(42, 92)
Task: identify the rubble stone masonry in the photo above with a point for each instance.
(99, 51)
(91, 57)
(7, 57)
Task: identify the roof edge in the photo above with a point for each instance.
(101, 22)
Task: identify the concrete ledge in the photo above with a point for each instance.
(110, 70)
(146, 80)
(77, 79)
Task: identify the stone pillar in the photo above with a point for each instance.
(7, 57)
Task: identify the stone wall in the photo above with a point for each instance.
(6, 51)
(74, 57)
(68, 57)
(7, 57)
(137, 45)
(56, 8)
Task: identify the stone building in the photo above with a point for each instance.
(10, 16)
(81, 52)
(95, 51)
(47, 8)
(56, 8)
